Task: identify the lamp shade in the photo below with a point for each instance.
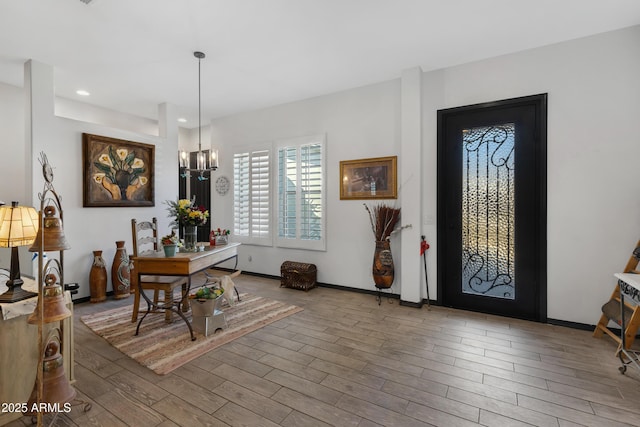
(18, 225)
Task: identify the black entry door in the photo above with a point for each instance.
(492, 207)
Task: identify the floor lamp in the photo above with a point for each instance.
(18, 227)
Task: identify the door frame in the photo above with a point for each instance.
(539, 102)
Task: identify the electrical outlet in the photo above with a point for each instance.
(250, 259)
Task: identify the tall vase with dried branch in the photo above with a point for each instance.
(383, 219)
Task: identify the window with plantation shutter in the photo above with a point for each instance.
(301, 195)
(252, 196)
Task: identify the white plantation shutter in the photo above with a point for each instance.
(301, 196)
(241, 181)
(260, 196)
(287, 184)
(311, 212)
(251, 196)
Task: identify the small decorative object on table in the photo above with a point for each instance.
(219, 236)
(298, 275)
(170, 244)
(205, 308)
(185, 213)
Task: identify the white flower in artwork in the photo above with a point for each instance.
(122, 153)
(105, 160)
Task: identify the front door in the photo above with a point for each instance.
(492, 207)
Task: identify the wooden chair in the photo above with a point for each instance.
(145, 241)
(611, 309)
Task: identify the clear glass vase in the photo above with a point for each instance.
(190, 238)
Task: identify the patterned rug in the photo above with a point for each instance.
(164, 347)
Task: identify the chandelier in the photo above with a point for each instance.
(205, 162)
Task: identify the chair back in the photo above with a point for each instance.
(145, 236)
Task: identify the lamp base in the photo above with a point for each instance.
(15, 292)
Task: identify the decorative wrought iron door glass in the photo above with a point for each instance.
(488, 216)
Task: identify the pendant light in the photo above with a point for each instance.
(204, 162)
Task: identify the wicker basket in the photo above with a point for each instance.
(298, 275)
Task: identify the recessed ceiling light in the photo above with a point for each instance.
(82, 92)
(182, 120)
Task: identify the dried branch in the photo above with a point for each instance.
(370, 219)
(383, 220)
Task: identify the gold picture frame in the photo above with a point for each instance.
(116, 172)
(374, 178)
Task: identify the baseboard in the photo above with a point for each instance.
(420, 304)
(87, 299)
(572, 325)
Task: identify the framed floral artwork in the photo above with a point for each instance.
(373, 178)
(116, 172)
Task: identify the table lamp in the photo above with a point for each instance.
(18, 227)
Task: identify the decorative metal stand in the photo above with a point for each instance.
(52, 391)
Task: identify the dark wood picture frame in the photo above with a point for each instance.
(116, 172)
(374, 178)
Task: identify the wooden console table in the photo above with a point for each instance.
(182, 264)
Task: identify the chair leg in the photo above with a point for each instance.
(184, 304)
(168, 300)
(136, 304)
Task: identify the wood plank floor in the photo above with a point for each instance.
(347, 361)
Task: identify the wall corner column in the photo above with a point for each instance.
(410, 183)
(167, 157)
(39, 121)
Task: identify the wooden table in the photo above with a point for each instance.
(182, 264)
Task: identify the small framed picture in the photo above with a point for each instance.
(374, 178)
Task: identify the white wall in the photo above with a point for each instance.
(593, 216)
(593, 211)
(358, 123)
(12, 184)
(86, 229)
(593, 175)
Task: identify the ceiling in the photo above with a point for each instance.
(133, 55)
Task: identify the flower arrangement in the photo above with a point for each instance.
(186, 212)
(207, 293)
(170, 239)
(221, 232)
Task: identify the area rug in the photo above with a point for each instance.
(164, 347)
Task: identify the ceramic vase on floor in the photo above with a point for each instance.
(383, 269)
(98, 278)
(120, 272)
